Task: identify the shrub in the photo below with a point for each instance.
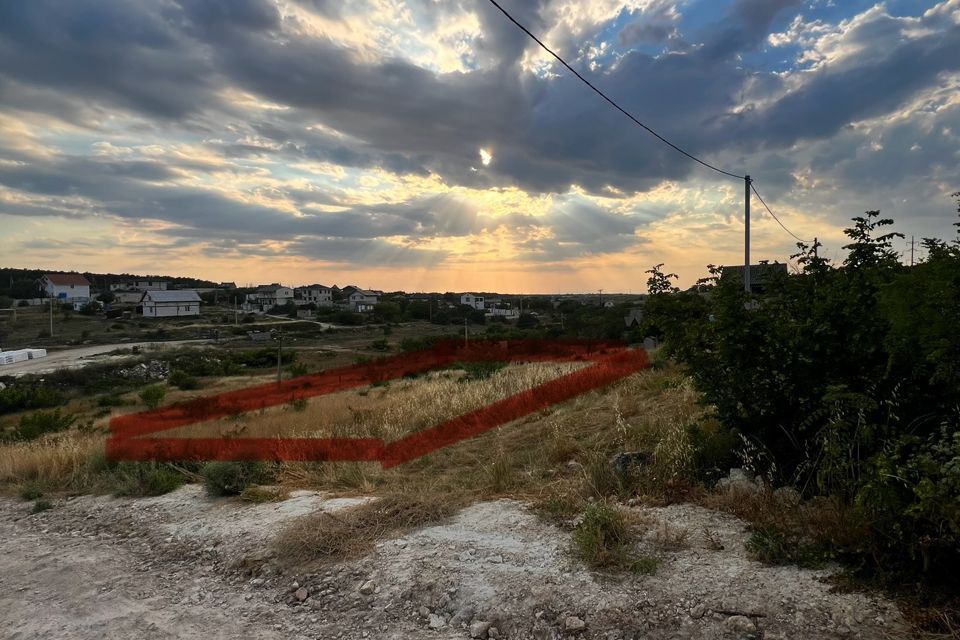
(183, 380)
(153, 395)
(603, 540)
(19, 397)
(223, 478)
(298, 369)
(842, 381)
(135, 479)
(41, 505)
(34, 425)
(478, 370)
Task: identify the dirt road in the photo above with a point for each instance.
(186, 566)
(82, 356)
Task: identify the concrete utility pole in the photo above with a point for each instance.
(279, 352)
(746, 231)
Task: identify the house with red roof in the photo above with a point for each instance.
(69, 287)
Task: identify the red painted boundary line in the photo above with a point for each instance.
(611, 362)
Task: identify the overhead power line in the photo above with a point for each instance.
(774, 216)
(610, 100)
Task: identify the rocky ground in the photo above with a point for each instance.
(187, 566)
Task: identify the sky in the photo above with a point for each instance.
(429, 145)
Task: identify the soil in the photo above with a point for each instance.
(188, 566)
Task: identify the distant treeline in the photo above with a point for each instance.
(22, 283)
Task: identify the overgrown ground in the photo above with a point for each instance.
(562, 462)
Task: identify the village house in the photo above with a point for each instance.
(314, 294)
(170, 304)
(140, 285)
(68, 287)
(472, 300)
(363, 301)
(268, 296)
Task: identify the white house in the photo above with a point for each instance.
(170, 304)
(139, 285)
(363, 300)
(268, 296)
(472, 300)
(69, 287)
(315, 293)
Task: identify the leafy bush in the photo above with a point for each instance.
(36, 424)
(844, 382)
(153, 395)
(135, 479)
(231, 478)
(20, 397)
(183, 380)
(41, 505)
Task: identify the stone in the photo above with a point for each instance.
(742, 626)
(479, 629)
(424, 612)
(368, 587)
(301, 594)
(436, 622)
(573, 624)
(493, 632)
(698, 611)
(463, 616)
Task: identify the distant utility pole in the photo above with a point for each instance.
(466, 335)
(912, 244)
(601, 297)
(279, 352)
(746, 231)
(51, 317)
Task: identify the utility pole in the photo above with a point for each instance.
(601, 297)
(51, 317)
(816, 248)
(746, 230)
(912, 244)
(279, 352)
(466, 336)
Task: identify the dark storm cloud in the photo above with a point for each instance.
(829, 100)
(130, 54)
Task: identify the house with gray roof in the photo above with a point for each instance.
(170, 304)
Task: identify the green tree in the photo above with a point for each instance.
(153, 395)
(660, 282)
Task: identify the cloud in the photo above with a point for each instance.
(262, 124)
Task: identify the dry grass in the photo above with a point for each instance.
(388, 411)
(58, 462)
(355, 531)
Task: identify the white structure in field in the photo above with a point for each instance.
(21, 355)
(68, 287)
(170, 304)
(472, 300)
